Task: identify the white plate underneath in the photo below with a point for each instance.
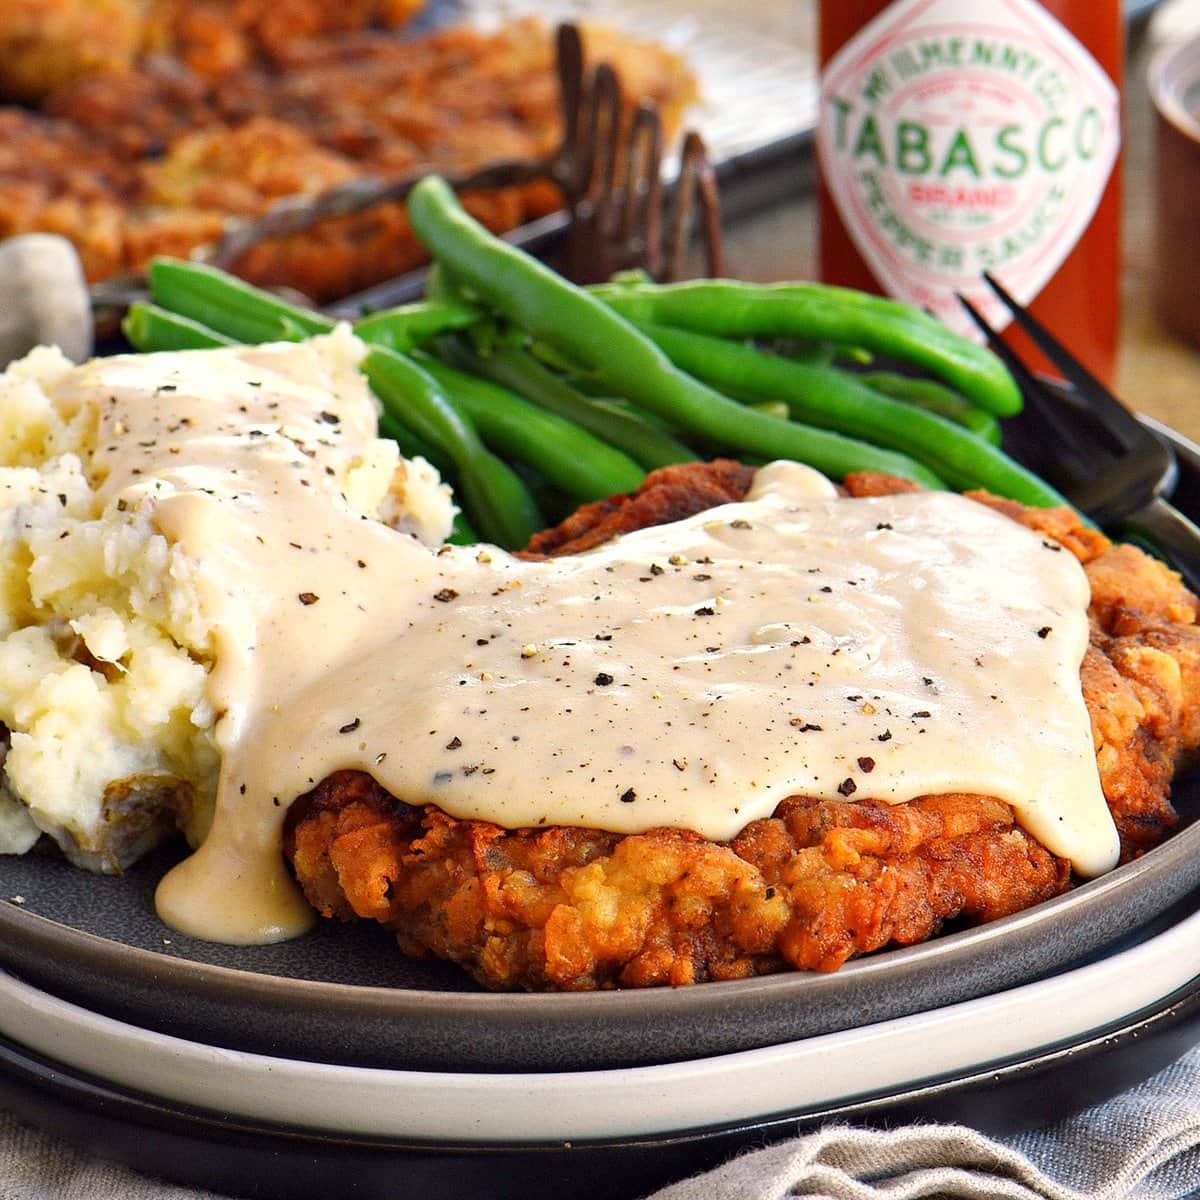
(478, 1107)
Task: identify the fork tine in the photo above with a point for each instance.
(606, 145)
(594, 210)
(1025, 378)
(1030, 385)
(1092, 391)
(611, 173)
(640, 229)
(695, 186)
(696, 155)
(602, 136)
(1073, 370)
(569, 64)
(1134, 468)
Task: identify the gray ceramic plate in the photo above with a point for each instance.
(346, 995)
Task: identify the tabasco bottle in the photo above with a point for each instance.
(958, 136)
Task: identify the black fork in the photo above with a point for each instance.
(1084, 441)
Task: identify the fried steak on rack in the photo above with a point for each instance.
(158, 123)
(818, 882)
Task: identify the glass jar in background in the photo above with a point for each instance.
(957, 136)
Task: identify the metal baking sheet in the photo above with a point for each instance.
(757, 73)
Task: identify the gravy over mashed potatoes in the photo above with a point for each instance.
(196, 601)
(105, 641)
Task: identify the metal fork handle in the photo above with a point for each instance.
(1175, 536)
(298, 214)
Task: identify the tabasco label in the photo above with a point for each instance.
(963, 137)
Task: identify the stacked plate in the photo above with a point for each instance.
(332, 1063)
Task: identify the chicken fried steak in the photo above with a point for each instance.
(815, 884)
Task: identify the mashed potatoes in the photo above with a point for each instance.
(105, 645)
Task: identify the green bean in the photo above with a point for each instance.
(230, 306)
(527, 370)
(727, 308)
(533, 370)
(413, 446)
(749, 432)
(151, 328)
(569, 457)
(935, 398)
(591, 387)
(413, 325)
(555, 504)
(702, 448)
(833, 399)
(440, 287)
(773, 408)
(520, 372)
(619, 404)
(577, 324)
(492, 494)
(552, 358)
(815, 354)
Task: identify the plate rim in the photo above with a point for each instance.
(779, 1005)
(241, 1084)
(176, 1142)
(47, 933)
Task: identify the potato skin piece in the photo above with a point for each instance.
(815, 884)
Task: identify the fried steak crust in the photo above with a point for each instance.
(815, 884)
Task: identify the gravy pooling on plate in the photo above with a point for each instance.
(688, 675)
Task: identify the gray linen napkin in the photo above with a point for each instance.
(1142, 1145)
(35, 1166)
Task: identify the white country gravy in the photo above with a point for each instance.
(687, 675)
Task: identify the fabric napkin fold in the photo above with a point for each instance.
(1142, 1145)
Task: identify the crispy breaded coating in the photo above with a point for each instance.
(576, 909)
(50, 44)
(670, 494)
(46, 44)
(815, 884)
